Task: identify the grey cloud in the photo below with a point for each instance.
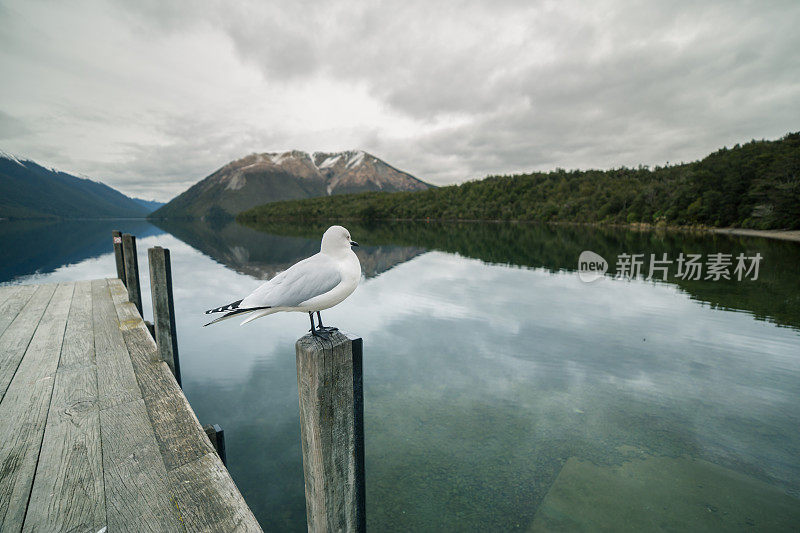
(512, 85)
(11, 126)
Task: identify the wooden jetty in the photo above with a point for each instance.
(96, 431)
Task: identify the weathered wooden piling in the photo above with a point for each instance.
(132, 270)
(164, 308)
(119, 257)
(217, 437)
(330, 386)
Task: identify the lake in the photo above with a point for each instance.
(501, 391)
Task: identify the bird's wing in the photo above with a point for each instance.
(310, 277)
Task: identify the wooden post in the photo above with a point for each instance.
(132, 270)
(217, 437)
(329, 383)
(164, 308)
(118, 255)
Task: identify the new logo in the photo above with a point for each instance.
(591, 266)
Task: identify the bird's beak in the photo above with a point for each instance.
(353, 243)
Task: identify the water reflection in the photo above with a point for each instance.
(774, 296)
(264, 254)
(485, 383)
(40, 246)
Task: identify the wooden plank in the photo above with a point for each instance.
(329, 383)
(137, 497)
(116, 382)
(179, 434)
(68, 490)
(209, 499)
(78, 348)
(6, 291)
(202, 487)
(23, 412)
(19, 333)
(15, 300)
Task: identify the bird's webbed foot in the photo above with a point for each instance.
(322, 333)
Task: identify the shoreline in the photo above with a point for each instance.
(777, 234)
(780, 234)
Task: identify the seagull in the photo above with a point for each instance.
(311, 285)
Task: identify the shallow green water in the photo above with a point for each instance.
(489, 366)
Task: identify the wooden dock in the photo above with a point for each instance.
(96, 431)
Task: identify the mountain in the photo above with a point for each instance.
(271, 177)
(29, 190)
(150, 205)
(753, 185)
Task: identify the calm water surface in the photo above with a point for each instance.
(501, 392)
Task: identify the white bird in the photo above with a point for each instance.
(311, 285)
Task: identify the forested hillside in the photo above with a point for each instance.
(29, 190)
(755, 185)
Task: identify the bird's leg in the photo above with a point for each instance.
(329, 328)
(318, 332)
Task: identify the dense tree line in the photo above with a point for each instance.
(755, 185)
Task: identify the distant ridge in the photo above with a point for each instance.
(29, 190)
(149, 205)
(754, 185)
(269, 177)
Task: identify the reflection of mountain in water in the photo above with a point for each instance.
(262, 255)
(38, 246)
(775, 296)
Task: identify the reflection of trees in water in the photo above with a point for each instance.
(262, 255)
(42, 246)
(775, 296)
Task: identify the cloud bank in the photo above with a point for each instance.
(151, 96)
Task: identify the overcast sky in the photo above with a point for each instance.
(151, 96)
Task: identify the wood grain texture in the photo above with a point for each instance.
(179, 434)
(137, 498)
(116, 382)
(78, 348)
(132, 270)
(97, 431)
(14, 340)
(23, 411)
(331, 428)
(119, 258)
(208, 498)
(164, 308)
(15, 298)
(6, 290)
(68, 493)
(204, 491)
(68, 490)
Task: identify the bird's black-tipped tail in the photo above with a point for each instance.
(231, 313)
(229, 307)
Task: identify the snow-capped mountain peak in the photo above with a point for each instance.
(272, 176)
